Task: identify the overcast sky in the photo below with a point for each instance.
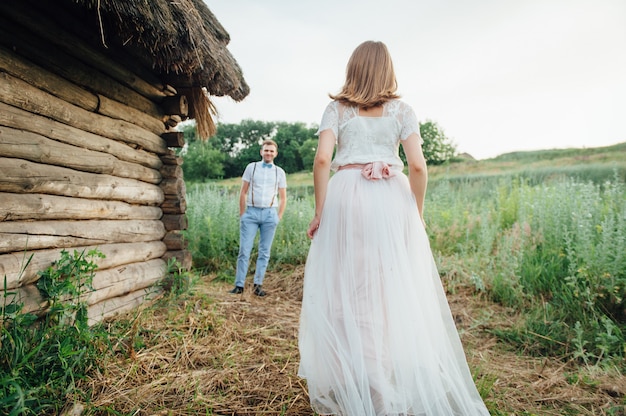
(496, 75)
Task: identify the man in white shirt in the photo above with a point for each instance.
(259, 210)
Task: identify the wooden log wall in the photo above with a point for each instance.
(85, 163)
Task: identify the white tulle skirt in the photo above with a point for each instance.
(376, 333)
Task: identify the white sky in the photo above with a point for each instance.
(496, 75)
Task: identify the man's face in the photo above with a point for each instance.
(268, 152)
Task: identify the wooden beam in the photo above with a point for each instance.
(171, 159)
(19, 271)
(173, 187)
(174, 138)
(46, 81)
(36, 148)
(175, 240)
(106, 284)
(21, 119)
(17, 207)
(174, 205)
(175, 222)
(119, 281)
(182, 256)
(72, 45)
(177, 105)
(41, 51)
(114, 109)
(110, 308)
(171, 171)
(22, 176)
(18, 93)
(36, 235)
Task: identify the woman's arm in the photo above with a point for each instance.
(321, 174)
(418, 174)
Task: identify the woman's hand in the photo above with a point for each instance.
(313, 226)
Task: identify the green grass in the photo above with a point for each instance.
(43, 358)
(546, 240)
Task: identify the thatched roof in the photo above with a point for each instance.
(180, 39)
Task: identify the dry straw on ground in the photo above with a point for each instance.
(213, 353)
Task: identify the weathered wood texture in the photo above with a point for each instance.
(173, 184)
(46, 81)
(16, 207)
(15, 92)
(183, 257)
(122, 304)
(21, 268)
(170, 158)
(21, 119)
(36, 148)
(171, 171)
(51, 83)
(174, 240)
(106, 284)
(85, 163)
(174, 138)
(175, 222)
(20, 176)
(177, 105)
(75, 61)
(174, 205)
(174, 187)
(35, 235)
(120, 111)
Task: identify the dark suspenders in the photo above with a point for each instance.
(252, 186)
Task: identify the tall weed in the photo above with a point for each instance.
(553, 249)
(43, 357)
(213, 231)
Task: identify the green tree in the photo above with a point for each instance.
(201, 162)
(241, 143)
(437, 147)
(290, 137)
(307, 153)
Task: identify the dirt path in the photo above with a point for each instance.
(214, 353)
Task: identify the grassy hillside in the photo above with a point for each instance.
(596, 164)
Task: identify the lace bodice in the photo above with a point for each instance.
(363, 139)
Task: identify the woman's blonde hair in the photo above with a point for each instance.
(370, 78)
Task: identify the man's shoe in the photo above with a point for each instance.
(259, 291)
(236, 290)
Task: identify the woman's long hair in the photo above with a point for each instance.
(370, 78)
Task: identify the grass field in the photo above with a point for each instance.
(531, 248)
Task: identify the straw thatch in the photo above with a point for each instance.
(182, 38)
(182, 41)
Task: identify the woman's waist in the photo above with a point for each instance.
(372, 170)
(364, 165)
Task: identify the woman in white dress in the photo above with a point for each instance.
(376, 333)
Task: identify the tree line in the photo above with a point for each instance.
(226, 154)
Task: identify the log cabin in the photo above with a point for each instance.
(91, 92)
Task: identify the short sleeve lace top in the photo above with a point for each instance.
(362, 139)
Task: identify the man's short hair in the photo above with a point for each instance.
(269, 142)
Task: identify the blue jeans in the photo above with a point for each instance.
(254, 219)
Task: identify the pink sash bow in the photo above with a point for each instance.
(372, 171)
(377, 170)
